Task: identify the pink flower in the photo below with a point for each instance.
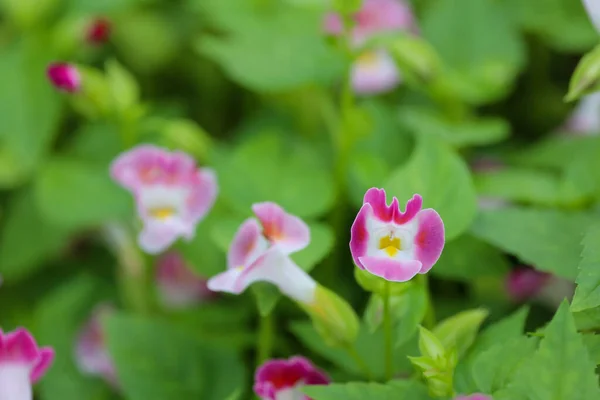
(259, 252)
(64, 77)
(524, 282)
(585, 119)
(392, 244)
(91, 354)
(280, 379)
(178, 286)
(593, 10)
(375, 17)
(22, 363)
(475, 396)
(374, 71)
(98, 31)
(172, 194)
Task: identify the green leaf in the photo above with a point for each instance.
(443, 179)
(27, 240)
(75, 194)
(371, 391)
(561, 368)
(466, 258)
(30, 109)
(548, 239)
(187, 370)
(267, 168)
(592, 343)
(495, 368)
(460, 330)
(506, 329)
(564, 24)
(71, 304)
(124, 89)
(461, 133)
(525, 185)
(587, 294)
(255, 58)
(586, 78)
(480, 45)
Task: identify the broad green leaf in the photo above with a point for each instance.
(561, 369)
(256, 58)
(495, 368)
(71, 304)
(461, 133)
(266, 168)
(592, 343)
(479, 44)
(460, 330)
(29, 109)
(466, 258)
(554, 152)
(587, 294)
(124, 89)
(530, 186)
(394, 390)
(548, 239)
(27, 239)
(95, 143)
(442, 178)
(563, 24)
(75, 194)
(156, 361)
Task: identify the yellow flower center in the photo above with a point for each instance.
(390, 244)
(367, 58)
(162, 212)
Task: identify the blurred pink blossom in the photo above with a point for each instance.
(280, 379)
(64, 77)
(172, 194)
(22, 363)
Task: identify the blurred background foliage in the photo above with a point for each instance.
(251, 87)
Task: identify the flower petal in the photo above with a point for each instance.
(286, 231)
(377, 199)
(279, 375)
(359, 234)
(277, 268)
(157, 237)
(19, 346)
(247, 245)
(593, 10)
(203, 194)
(64, 76)
(227, 282)
(429, 240)
(46, 357)
(390, 269)
(374, 72)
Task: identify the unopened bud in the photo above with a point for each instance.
(64, 77)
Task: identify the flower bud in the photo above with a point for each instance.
(64, 77)
(98, 31)
(332, 317)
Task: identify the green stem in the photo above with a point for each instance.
(430, 318)
(387, 327)
(360, 362)
(265, 338)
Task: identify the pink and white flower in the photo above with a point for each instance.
(172, 194)
(593, 10)
(22, 364)
(392, 244)
(260, 252)
(280, 379)
(64, 77)
(374, 71)
(475, 396)
(178, 286)
(91, 355)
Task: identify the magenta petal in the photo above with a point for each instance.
(377, 199)
(280, 374)
(203, 193)
(46, 356)
(19, 346)
(287, 231)
(64, 76)
(391, 270)
(429, 241)
(359, 234)
(475, 396)
(244, 243)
